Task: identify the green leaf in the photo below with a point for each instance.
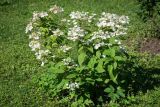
(53, 38)
(118, 58)
(80, 69)
(92, 62)
(59, 64)
(107, 60)
(80, 100)
(106, 52)
(90, 49)
(81, 58)
(88, 102)
(112, 40)
(80, 49)
(65, 86)
(61, 84)
(89, 79)
(108, 90)
(110, 52)
(74, 104)
(59, 71)
(98, 54)
(115, 65)
(78, 79)
(56, 70)
(106, 81)
(110, 70)
(99, 67)
(99, 79)
(71, 76)
(120, 92)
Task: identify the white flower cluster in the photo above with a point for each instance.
(35, 36)
(82, 16)
(41, 54)
(37, 15)
(29, 27)
(98, 45)
(65, 48)
(75, 33)
(72, 86)
(35, 45)
(57, 32)
(76, 28)
(100, 34)
(67, 61)
(114, 22)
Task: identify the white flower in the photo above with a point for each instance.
(55, 9)
(42, 14)
(97, 46)
(75, 33)
(29, 27)
(64, 20)
(100, 35)
(76, 15)
(34, 35)
(57, 32)
(42, 63)
(74, 22)
(72, 86)
(118, 41)
(124, 19)
(103, 56)
(67, 61)
(41, 53)
(35, 16)
(34, 45)
(107, 20)
(81, 16)
(65, 48)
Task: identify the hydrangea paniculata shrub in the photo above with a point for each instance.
(83, 50)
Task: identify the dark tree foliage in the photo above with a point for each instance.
(150, 13)
(149, 8)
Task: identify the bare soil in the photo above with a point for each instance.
(150, 45)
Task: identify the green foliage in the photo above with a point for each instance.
(93, 75)
(150, 13)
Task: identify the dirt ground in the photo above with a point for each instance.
(151, 45)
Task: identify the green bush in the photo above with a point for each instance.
(83, 52)
(150, 13)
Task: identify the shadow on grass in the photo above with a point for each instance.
(139, 79)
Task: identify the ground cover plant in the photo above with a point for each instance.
(19, 66)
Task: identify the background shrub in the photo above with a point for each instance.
(150, 13)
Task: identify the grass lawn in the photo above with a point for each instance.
(18, 65)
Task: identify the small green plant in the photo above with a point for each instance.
(83, 52)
